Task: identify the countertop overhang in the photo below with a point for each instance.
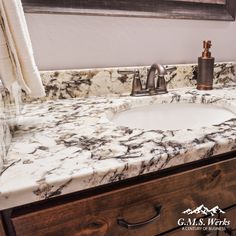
(65, 146)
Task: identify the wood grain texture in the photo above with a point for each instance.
(2, 233)
(178, 9)
(180, 232)
(97, 215)
(230, 215)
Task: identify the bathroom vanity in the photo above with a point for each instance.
(71, 170)
(156, 200)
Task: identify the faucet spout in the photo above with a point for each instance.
(150, 84)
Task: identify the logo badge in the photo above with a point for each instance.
(212, 219)
(204, 210)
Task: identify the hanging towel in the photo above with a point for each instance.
(16, 54)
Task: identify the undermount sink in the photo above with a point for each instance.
(173, 116)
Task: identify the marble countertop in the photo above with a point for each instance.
(68, 145)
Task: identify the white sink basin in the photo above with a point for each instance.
(173, 116)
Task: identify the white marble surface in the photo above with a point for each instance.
(69, 145)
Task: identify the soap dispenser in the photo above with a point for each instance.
(205, 68)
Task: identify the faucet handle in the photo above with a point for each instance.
(161, 84)
(136, 85)
(170, 68)
(127, 72)
(136, 74)
(137, 89)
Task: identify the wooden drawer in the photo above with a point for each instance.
(97, 215)
(2, 233)
(230, 215)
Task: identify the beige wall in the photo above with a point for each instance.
(75, 41)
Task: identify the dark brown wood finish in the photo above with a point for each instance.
(2, 233)
(181, 232)
(230, 215)
(179, 9)
(189, 231)
(97, 215)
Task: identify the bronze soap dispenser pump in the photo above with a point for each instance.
(205, 68)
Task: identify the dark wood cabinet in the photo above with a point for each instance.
(231, 229)
(2, 233)
(155, 205)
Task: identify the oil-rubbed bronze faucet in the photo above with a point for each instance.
(152, 87)
(160, 86)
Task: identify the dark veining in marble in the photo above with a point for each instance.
(66, 137)
(101, 82)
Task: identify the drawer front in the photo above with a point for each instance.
(98, 215)
(2, 233)
(230, 215)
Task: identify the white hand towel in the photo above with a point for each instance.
(16, 54)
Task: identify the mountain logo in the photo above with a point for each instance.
(204, 210)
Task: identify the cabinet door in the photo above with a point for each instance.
(1, 227)
(230, 215)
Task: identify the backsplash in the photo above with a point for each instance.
(110, 81)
